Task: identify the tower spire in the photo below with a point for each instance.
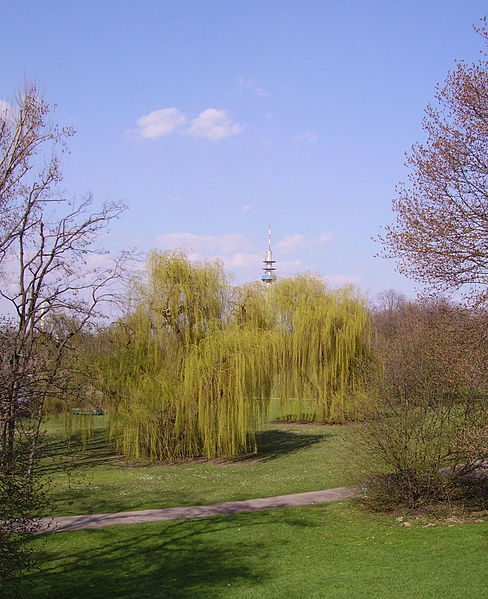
(269, 274)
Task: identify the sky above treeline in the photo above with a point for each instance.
(212, 119)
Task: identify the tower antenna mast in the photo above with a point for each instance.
(269, 270)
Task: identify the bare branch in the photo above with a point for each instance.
(441, 232)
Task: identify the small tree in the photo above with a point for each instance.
(53, 280)
(441, 232)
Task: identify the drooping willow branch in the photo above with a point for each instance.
(192, 367)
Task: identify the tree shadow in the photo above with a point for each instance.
(275, 443)
(174, 560)
(82, 500)
(272, 444)
(75, 453)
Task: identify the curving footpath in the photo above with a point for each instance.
(68, 523)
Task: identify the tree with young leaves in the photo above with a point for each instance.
(440, 237)
(191, 368)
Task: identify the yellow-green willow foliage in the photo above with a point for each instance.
(181, 375)
(228, 381)
(191, 369)
(325, 359)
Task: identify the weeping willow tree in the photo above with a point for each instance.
(227, 383)
(324, 360)
(191, 369)
(182, 375)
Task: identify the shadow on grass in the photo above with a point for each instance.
(192, 558)
(74, 454)
(85, 498)
(275, 443)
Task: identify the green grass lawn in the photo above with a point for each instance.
(291, 459)
(336, 551)
(330, 551)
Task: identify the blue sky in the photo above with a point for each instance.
(212, 119)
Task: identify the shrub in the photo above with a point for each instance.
(427, 426)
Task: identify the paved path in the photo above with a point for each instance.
(67, 523)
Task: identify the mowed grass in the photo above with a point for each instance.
(336, 551)
(291, 459)
(330, 551)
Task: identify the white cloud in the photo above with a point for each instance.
(291, 244)
(160, 122)
(247, 208)
(7, 111)
(175, 200)
(289, 267)
(245, 84)
(214, 125)
(325, 238)
(341, 279)
(232, 242)
(243, 260)
(100, 260)
(307, 137)
(211, 123)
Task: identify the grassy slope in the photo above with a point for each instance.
(291, 458)
(333, 551)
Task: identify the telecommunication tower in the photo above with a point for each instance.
(269, 274)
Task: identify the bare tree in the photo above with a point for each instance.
(30, 147)
(441, 232)
(428, 426)
(53, 276)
